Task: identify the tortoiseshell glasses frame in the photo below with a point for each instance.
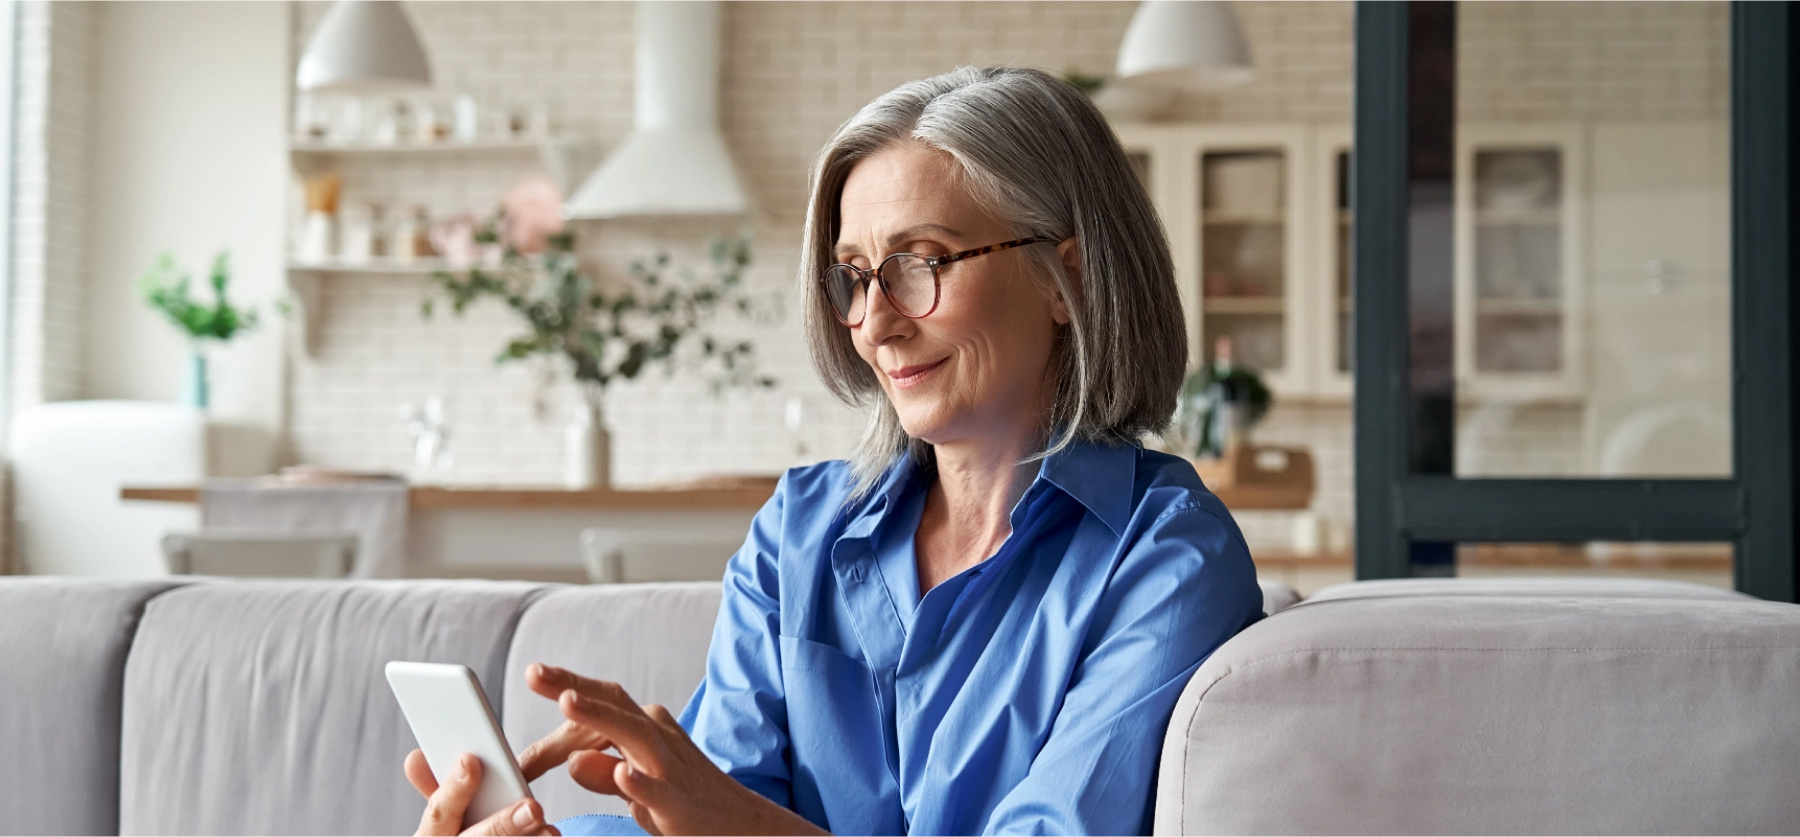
(847, 286)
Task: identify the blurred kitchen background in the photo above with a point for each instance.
(1591, 242)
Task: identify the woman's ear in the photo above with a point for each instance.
(1069, 251)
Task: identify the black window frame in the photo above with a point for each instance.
(1400, 508)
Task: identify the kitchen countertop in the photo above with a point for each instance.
(741, 496)
(530, 497)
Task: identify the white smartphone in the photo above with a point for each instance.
(449, 715)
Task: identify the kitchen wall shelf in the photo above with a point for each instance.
(1245, 305)
(418, 267)
(555, 153)
(521, 145)
(307, 278)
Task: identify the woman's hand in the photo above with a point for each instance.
(671, 786)
(445, 805)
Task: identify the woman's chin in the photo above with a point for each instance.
(923, 425)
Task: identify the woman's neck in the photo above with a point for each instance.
(967, 508)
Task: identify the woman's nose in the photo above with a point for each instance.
(881, 323)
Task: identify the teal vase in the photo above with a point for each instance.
(195, 394)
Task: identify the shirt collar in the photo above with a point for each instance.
(886, 494)
(1099, 476)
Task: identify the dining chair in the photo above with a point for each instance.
(630, 556)
(260, 554)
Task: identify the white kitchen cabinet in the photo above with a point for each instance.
(1260, 228)
(1519, 265)
(1232, 200)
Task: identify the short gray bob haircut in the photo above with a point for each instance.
(1036, 153)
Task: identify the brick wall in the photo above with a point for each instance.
(793, 72)
(54, 113)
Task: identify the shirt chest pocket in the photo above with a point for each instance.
(835, 731)
(816, 671)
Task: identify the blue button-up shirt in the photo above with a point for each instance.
(1027, 694)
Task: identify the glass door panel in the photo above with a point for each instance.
(1592, 235)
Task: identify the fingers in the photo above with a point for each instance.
(627, 727)
(639, 787)
(593, 770)
(660, 714)
(524, 817)
(641, 815)
(419, 774)
(555, 748)
(444, 809)
(550, 681)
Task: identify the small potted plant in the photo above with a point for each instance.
(1219, 404)
(168, 289)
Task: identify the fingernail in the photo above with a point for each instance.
(462, 769)
(522, 815)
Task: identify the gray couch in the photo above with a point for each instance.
(1401, 707)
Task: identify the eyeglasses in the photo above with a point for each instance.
(908, 280)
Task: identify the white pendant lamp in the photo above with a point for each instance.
(1185, 43)
(364, 46)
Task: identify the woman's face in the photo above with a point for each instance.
(977, 367)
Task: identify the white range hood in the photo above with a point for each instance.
(675, 162)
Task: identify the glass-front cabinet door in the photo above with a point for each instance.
(1519, 262)
(1250, 187)
(1231, 200)
(1329, 279)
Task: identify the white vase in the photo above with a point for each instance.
(587, 448)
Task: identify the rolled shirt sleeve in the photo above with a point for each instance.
(738, 716)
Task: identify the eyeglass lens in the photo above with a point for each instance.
(906, 280)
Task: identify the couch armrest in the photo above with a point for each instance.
(1521, 712)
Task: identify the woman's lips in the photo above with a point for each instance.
(907, 376)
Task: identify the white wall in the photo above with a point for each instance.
(188, 155)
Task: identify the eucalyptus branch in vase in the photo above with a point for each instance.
(660, 317)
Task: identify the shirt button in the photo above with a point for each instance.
(856, 574)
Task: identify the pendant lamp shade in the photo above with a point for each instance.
(1185, 43)
(364, 46)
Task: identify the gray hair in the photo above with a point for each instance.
(1036, 153)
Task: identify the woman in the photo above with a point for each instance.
(981, 622)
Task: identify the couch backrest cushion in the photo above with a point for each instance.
(63, 645)
(1604, 588)
(650, 638)
(1524, 714)
(258, 707)
(1277, 596)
